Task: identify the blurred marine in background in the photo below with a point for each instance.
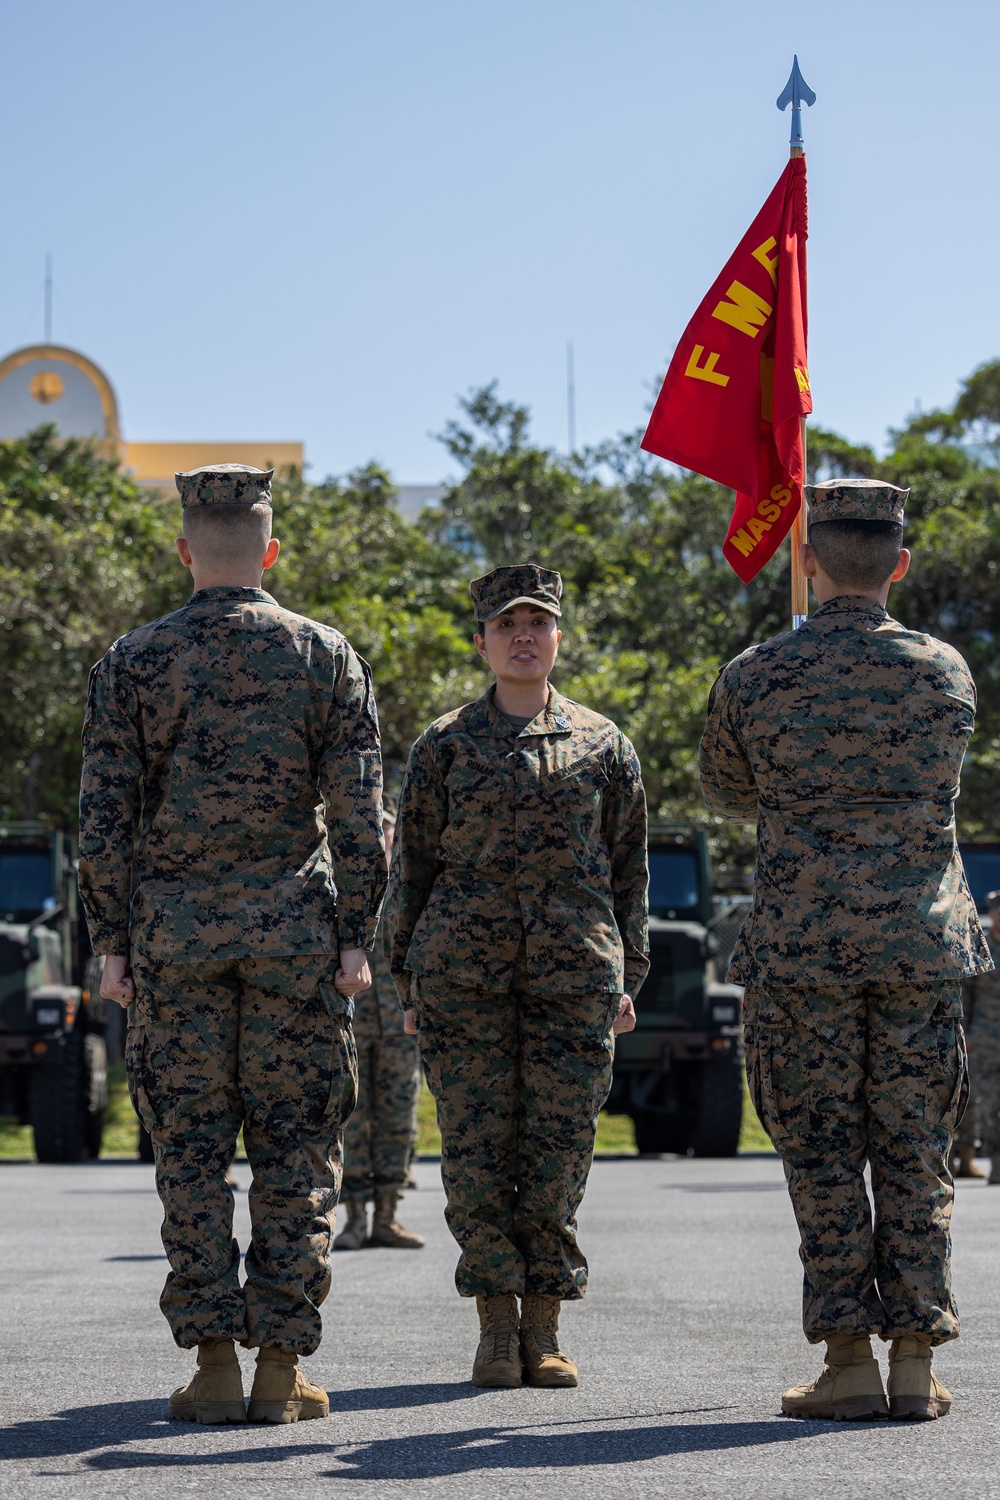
(230, 849)
(379, 1135)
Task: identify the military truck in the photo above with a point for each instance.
(53, 1055)
(679, 1074)
(982, 868)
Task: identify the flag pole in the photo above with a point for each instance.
(796, 92)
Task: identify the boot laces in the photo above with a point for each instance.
(545, 1340)
(503, 1344)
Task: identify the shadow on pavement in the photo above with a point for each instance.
(442, 1454)
(394, 1397)
(96, 1435)
(84, 1429)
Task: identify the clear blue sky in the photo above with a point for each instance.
(321, 220)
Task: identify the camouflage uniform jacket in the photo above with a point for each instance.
(502, 835)
(212, 739)
(844, 739)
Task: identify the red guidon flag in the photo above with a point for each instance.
(738, 383)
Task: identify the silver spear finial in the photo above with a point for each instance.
(795, 92)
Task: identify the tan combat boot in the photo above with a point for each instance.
(849, 1388)
(914, 1392)
(215, 1393)
(386, 1231)
(354, 1235)
(498, 1358)
(544, 1361)
(280, 1391)
(965, 1165)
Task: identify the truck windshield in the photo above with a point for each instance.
(982, 870)
(25, 883)
(674, 883)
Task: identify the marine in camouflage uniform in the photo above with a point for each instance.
(234, 747)
(379, 1134)
(844, 739)
(981, 997)
(517, 919)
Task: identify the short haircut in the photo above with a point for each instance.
(221, 535)
(859, 553)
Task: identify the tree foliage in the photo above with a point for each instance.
(652, 608)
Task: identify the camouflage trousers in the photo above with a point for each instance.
(983, 1038)
(260, 1043)
(379, 1134)
(845, 1075)
(519, 1082)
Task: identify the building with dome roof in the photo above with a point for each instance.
(49, 383)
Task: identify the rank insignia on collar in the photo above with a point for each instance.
(562, 723)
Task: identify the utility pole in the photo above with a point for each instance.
(48, 298)
(571, 397)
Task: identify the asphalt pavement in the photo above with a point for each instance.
(685, 1341)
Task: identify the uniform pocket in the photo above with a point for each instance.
(475, 791)
(336, 1073)
(760, 1047)
(946, 1094)
(138, 1075)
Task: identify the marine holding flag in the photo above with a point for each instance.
(844, 739)
(738, 385)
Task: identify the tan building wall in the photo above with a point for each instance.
(155, 464)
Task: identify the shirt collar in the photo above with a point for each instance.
(232, 591)
(851, 604)
(486, 719)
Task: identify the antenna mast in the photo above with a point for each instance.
(571, 397)
(48, 298)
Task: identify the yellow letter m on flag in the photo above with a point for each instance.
(745, 310)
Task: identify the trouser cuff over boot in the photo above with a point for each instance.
(544, 1362)
(214, 1395)
(281, 1393)
(915, 1393)
(849, 1388)
(498, 1357)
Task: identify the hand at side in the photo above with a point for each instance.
(353, 975)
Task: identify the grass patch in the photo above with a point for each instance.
(615, 1133)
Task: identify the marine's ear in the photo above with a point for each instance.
(183, 551)
(903, 566)
(271, 555)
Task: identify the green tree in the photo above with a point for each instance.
(398, 593)
(84, 554)
(652, 607)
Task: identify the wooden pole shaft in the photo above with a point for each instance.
(800, 526)
(799, 533)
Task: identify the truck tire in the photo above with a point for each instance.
(720, 1112)
(657, 1132)
(58, 1114)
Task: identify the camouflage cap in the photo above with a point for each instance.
(504, 587)
(993, 900)
(225, 484)
(855, 500)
